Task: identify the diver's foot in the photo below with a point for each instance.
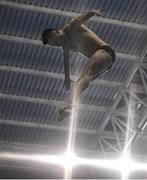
(64, 113)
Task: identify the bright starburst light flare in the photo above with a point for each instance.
(126, 154)
(71, 139)
(125, 165)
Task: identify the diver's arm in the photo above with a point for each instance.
(77, 21)
(67, 82)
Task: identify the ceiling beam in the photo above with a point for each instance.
(134, 87)
(52, 102)
(47, 149)
(72, 14)
(50, 150)
(106, 134)
(6, 37)
(55, 75)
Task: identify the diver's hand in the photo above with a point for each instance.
(67, 84)
(98, 12)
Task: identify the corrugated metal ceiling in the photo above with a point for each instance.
(31, 75)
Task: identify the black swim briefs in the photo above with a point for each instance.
(109, 50)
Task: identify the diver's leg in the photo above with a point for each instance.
(99, 62)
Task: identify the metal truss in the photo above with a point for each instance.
(133, 125)
(124, 89)
(143, 73)
(142, 125)
(130, 126)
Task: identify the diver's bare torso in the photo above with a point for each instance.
(83, 40)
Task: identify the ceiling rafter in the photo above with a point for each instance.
(45, 149)
(50, 149)
(106, 134)
(72, 14)
(7, 37)
(54, 75)
(52, 102)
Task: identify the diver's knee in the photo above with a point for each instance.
(88, 77)
(84, 85)
(85, 77)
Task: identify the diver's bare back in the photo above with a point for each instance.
(83, 40)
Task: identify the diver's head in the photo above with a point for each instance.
(53, 37)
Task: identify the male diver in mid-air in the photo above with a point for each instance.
(77, 37)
